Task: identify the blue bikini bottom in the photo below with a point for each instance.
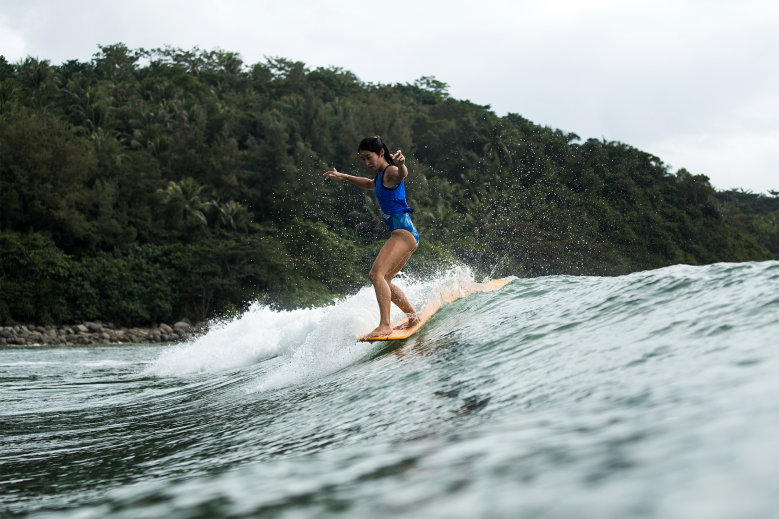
(400, 221)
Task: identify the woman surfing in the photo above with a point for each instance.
(389, 188)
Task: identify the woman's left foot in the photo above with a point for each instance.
(413, 320)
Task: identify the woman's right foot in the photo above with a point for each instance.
(380, 331)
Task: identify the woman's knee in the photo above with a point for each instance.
(376, 275)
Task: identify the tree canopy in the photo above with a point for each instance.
(147, 185)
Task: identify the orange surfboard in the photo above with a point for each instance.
(430, 309)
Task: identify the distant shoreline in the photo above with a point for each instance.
(96, 332)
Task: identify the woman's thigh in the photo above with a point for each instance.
(394, 254)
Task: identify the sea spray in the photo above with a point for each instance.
(311, 341)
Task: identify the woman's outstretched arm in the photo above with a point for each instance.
(362, 182)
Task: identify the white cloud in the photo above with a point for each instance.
(12, 42)
(747, 160)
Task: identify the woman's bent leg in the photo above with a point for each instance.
(391, 259)
(399, 298)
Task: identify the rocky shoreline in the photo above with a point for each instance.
(96, 332)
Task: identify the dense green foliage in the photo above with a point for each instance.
(756, 215)
(151, 185)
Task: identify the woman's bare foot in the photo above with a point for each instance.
(412, 320)
(380, 331)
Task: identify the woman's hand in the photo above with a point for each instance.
(333, 174)
(399, 159)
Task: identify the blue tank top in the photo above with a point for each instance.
(392, 200)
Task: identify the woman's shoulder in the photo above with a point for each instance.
(392, 173)
(390, 177)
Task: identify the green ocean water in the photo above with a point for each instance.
(647, 395)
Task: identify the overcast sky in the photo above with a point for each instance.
(695, 82)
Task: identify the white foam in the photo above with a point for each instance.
(311, 342)
(258, 334)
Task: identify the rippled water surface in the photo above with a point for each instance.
(648, 395)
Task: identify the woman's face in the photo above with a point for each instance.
(372, 160)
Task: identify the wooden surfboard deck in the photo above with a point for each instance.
(433, 307)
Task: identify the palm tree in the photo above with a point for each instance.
(36, 78)
(496, 149)
(151, 130)
(186, 194)
(232, 215)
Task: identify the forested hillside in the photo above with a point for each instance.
(755, 214)
(152, 185)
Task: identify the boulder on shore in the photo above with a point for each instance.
(96, 333)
